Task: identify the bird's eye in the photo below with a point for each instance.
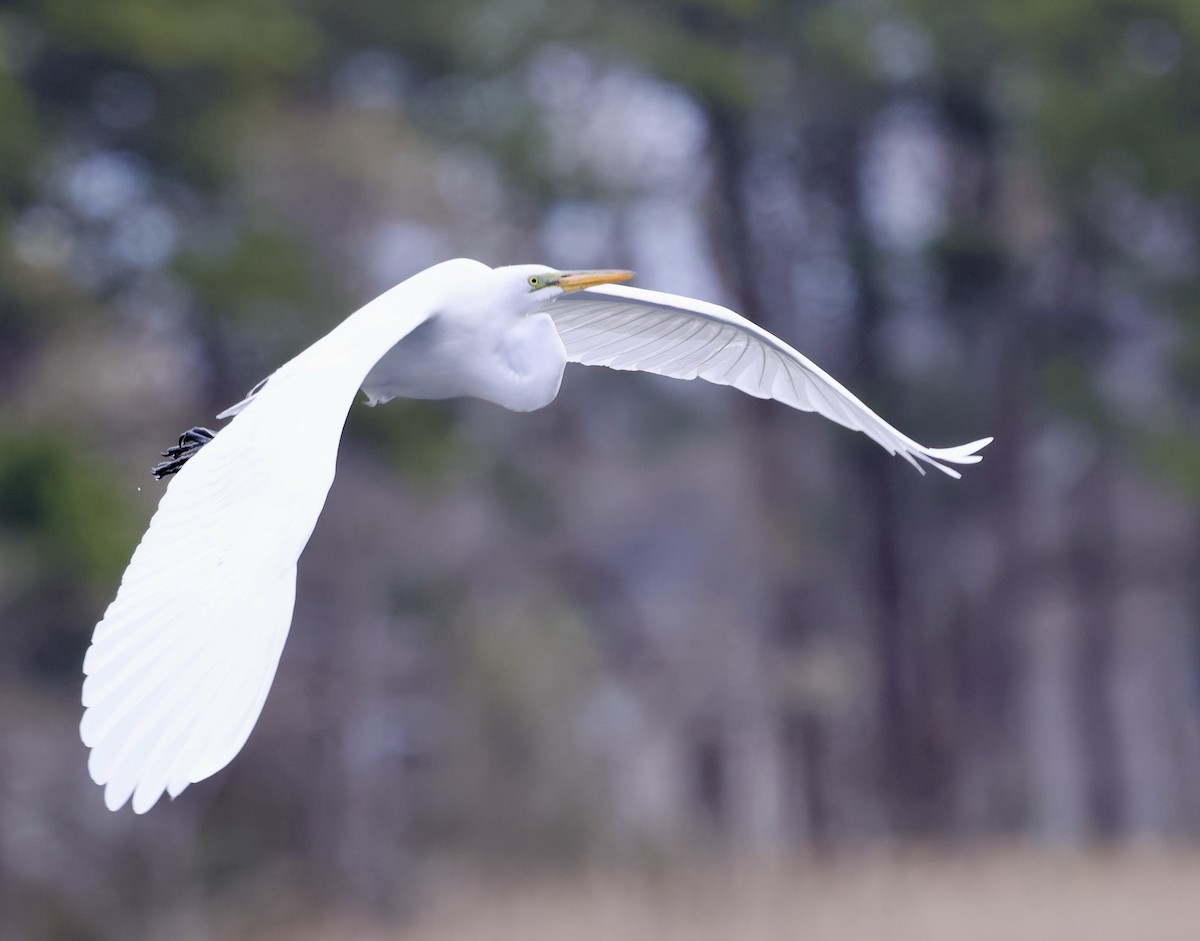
(535, 281)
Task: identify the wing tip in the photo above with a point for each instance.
(116, 798)
(962, 454)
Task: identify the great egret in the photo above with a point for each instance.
(173, 687)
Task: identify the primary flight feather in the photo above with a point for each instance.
(172, 688)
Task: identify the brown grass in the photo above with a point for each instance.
(910, 896)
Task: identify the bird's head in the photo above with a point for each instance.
(533, 286)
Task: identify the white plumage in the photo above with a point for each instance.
(630, 328)
(180, 664)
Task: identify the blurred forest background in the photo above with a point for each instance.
(655, 623)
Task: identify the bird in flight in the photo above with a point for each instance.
(172, 691)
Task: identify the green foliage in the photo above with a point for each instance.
(241, 36)
(263, 266)
(58, 503)
(201, 61)
(20, 138)
(713, 68)
(1112, 78)
(1067, 388)
(416, 438)
(1175, 454)
(1186, 353)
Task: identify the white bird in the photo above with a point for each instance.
(173, 689)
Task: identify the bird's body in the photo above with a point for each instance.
(173, 689)
(524, 357)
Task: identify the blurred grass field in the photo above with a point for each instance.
(923, 896)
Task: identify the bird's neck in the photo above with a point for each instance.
(527, 369)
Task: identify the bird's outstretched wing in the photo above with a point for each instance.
(629, 328)
(180, 665)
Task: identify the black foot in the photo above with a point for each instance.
(190, 442)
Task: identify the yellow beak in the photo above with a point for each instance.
(578, 280)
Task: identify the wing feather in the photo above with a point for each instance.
(180, 664)
(628, 328)
(207, 594)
